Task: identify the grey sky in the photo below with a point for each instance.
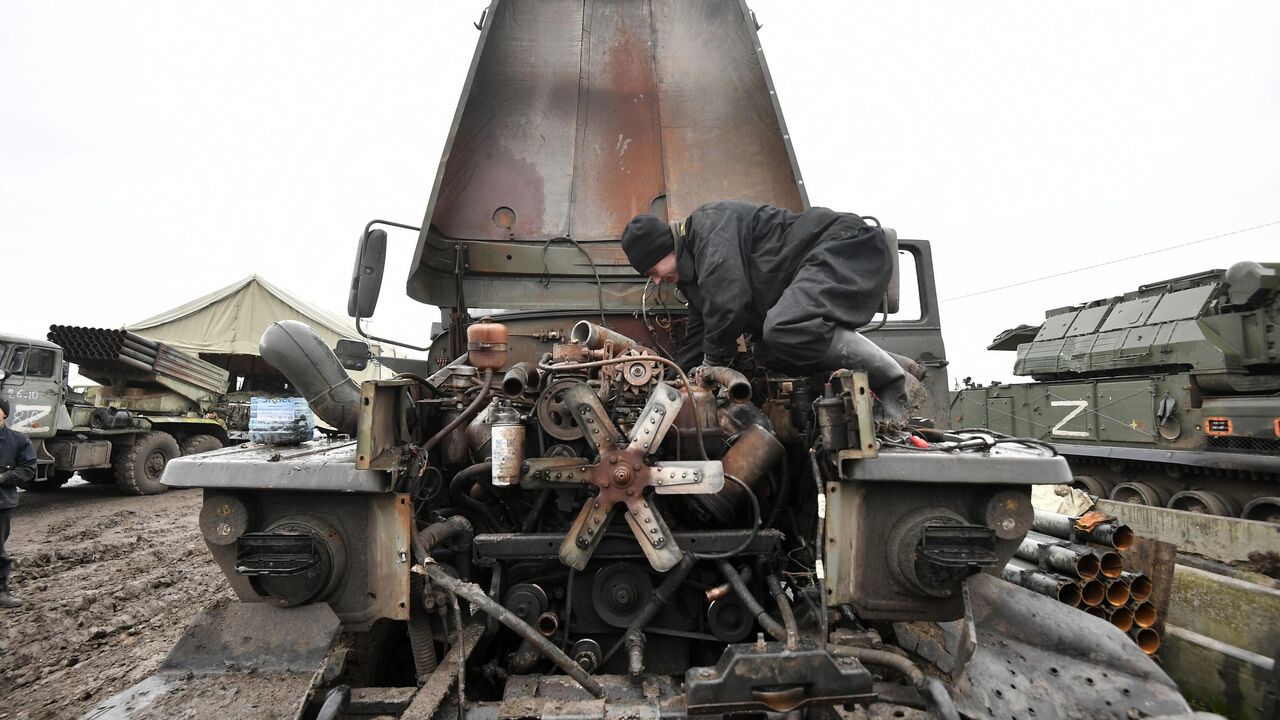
(151, 152)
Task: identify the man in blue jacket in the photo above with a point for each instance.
(17, 464)
(800, 284)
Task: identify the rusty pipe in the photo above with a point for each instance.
(1055, 554)
(595, 336)
(1029, 576)
(1092, 592)
(1117, 593)
(1139, 585)
(548, 623)
(725, 588)
(521, 377)
(752, 455)
(1144, 614)
(1146, 638)
(1115, 535)
(1121, 617)
(1096, 611)
(734, 382)
(479, 599)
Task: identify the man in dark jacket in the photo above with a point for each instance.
(800, 284)
(17, 464)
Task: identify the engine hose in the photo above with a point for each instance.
(456, 527)
(534, 518)
(459, 492)
(933, 690)
(771, 626)
(466, 415)
(784, 609)
(477, 597)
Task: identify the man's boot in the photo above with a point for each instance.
(898, 391)
(8, 601)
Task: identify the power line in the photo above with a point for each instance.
(1112, 262)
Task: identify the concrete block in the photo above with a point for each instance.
(1218, 676)
(1226, 609)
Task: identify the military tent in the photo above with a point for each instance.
(224, 326)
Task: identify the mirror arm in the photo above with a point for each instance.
(389, 223)
(375, 338)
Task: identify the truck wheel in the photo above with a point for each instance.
(197, 444)
(138, 469)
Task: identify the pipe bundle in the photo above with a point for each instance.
(1054, 560)
(111, 351)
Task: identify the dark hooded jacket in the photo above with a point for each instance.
(17, 464)
(786, 279)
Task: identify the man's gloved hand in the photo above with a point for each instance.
(709, 361)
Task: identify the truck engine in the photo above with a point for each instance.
(532, 533)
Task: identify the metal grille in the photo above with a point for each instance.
(1241, 442)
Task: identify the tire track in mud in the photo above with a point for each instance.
(108, 583)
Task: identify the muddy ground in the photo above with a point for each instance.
(109, 584)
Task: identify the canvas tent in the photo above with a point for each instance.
(224, 326)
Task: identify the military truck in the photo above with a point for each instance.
(549, 526)
(154, 404)
(1168, 395)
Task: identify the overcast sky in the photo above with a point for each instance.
(151, 152)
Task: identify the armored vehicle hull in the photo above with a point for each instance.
(1166, 396)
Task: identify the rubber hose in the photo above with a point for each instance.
(456, 528)
(771, 626)
(459, 488)
(477, 597)
(466, 415)
(784, 609)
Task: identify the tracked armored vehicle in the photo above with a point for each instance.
(555, 522)
(1166, 396)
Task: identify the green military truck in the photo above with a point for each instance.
(1166, 396)
(154, 404)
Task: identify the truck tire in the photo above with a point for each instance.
(139, 467)
(197, 444)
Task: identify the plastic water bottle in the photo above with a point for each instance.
(280, 421)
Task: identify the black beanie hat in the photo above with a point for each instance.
(646, 240)
(4, 405)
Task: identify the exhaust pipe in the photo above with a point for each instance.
(298, 352)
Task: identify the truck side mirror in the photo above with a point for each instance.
(353, 354)
(366, 276)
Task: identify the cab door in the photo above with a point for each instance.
(32, 384)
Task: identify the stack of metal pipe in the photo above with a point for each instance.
(1084, 569)
(109, 351)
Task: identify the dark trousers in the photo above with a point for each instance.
(5, 517)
